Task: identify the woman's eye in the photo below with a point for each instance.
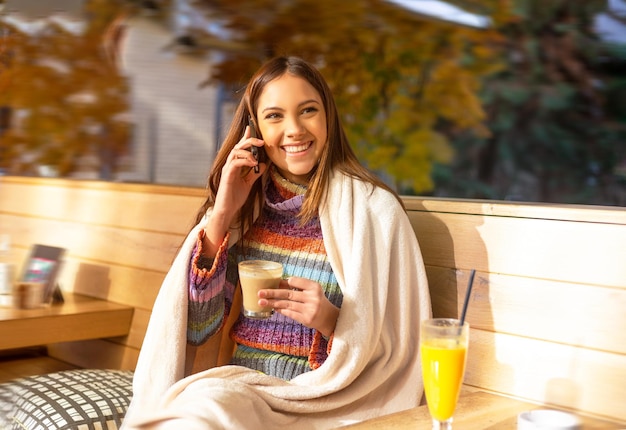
(272, 115)
(309, 109)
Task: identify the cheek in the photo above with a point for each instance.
(272, 145)
(270, 135)
(321, 131)
(272, 140)
(323, 137)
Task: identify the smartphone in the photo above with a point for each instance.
(257, 153)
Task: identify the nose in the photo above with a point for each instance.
(294, 126)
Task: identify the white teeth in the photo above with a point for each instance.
(294, 149)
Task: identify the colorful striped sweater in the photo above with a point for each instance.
(277, 346)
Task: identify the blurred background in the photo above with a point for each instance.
(495, 99)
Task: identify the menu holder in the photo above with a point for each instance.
(42, 265)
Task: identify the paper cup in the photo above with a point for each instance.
(28, 295)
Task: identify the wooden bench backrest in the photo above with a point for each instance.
(548, 302)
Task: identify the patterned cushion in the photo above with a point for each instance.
(83, 399)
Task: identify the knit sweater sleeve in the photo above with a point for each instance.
(320, 349)
(210, 294)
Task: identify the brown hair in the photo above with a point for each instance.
(337, 153)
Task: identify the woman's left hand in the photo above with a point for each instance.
(304, 301)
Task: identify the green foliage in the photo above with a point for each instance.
(556, 112)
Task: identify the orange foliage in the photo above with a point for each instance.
(65, 94)
(395, 75)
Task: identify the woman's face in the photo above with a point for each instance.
(292, 121)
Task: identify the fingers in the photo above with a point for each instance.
(278, 296)
(296, 283)
(247, 142)
(302, 300)
(287, 287)
(241, 154)
(291, 294)
(243, 161)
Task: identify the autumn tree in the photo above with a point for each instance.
(64, 94)
(395, 74)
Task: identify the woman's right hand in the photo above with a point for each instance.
(238, 175)
(237, 179)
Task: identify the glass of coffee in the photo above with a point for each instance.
(256, 275)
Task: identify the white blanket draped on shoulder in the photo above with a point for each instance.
(373, 367)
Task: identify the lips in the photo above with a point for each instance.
(294, 149)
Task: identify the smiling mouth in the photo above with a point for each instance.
(294, 149)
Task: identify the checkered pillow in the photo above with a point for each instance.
(83, 399)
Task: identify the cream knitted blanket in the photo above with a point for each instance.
(373, 367)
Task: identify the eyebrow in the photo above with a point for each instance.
(299, 104)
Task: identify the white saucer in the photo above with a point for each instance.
(544, 419)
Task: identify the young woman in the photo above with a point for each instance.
(342, 343)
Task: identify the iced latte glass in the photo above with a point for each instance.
(256, 275)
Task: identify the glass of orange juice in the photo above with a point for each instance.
(443, 348)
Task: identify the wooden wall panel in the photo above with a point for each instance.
(120, 241)
(582, 315)
(95, 354)
(122, 284)
(100, 244)
(123, 205)
(548, 300)
(549, 211)
(138, 329)
(549, 373)
(573, 251)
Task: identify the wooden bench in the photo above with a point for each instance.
(477, 410)
(547, 309)
(120, 241)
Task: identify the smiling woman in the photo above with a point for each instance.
(336, 345)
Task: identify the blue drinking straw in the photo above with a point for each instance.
(467, 296)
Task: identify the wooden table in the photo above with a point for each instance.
(79, 318)
(475, 411)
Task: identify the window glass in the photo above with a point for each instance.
(519, 100)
